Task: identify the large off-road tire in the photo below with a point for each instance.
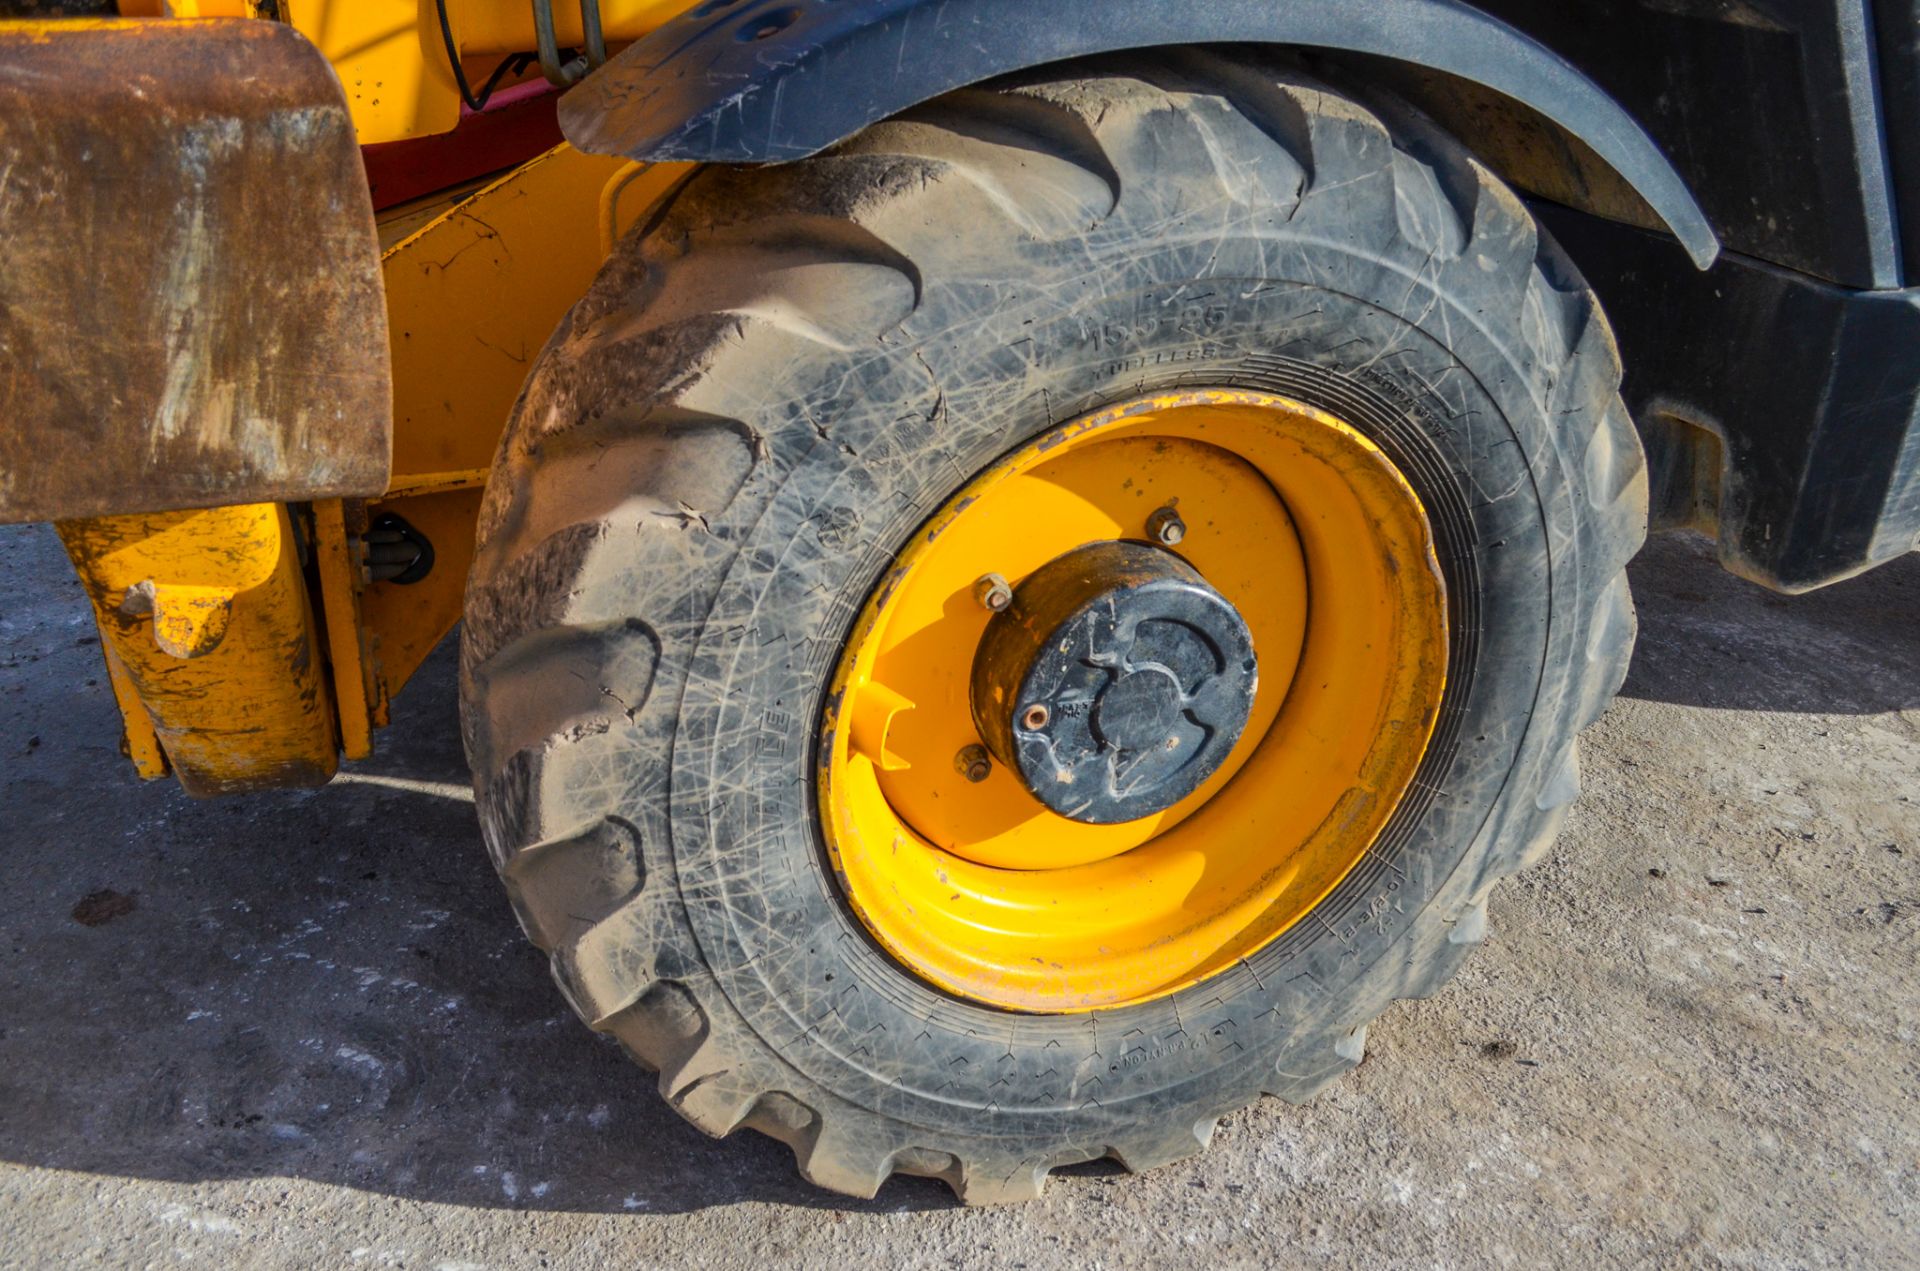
(788, 369)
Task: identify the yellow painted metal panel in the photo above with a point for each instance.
(138, 741)
(189, 9)
(391, 55)
(405, 621)
(506, 26)
(353, 683)
(218, 649)
(206, 613)
(473, 295)
(391, 60)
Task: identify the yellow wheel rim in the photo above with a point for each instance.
(975, 885)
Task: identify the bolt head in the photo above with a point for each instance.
(994, 593)
(1165, 527)
(974, 763)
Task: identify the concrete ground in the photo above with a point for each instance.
(304, 1030)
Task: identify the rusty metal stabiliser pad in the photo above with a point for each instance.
(191, 312)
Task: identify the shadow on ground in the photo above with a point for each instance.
(329, 985)
(324, 984)
(1710, 639)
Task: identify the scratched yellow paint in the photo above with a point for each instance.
(222, 669)
(205, 617)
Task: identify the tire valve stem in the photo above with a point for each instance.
(1165, 527)
(993, 593)
(974, 763)
(1035, 717)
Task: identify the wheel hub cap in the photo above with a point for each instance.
(1116, 683)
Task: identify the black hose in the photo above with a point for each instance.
(508, 66)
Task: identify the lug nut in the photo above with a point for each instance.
(1165, 527)
(1035, 717)
(974, 763)
(993, 593)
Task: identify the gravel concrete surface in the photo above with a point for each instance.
(303, 1030)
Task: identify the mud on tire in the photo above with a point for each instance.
(776, 379)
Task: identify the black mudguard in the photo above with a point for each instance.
(765, 81)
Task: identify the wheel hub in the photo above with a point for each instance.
(1115, 683)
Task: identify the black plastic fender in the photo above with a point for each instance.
(746, 81)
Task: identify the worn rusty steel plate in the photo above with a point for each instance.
(191, 311)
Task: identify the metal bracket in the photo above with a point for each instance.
(565, 73)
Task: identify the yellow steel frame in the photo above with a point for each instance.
(209, 637)
(474, 288)
(391, 55)
(237, 658)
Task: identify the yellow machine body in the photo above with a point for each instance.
(209, 636)
(249, 642)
